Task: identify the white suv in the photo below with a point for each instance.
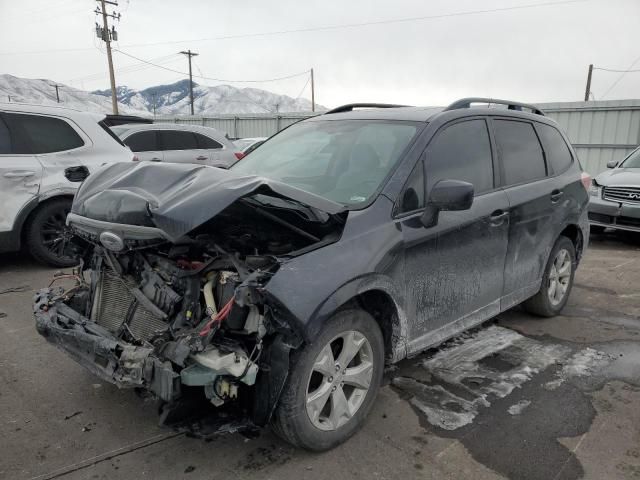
(174, 143)
(45, 153)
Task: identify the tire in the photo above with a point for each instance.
(46, 234)
(292, 420)
(549, 302)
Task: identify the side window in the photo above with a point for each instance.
(142, 142)
(413, 195)
(44, 134)
(520, 151)
(206, 142)
(461, 151)
(5, 139)
(556, 149)
(178, 140)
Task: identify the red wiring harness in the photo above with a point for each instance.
(218, 318)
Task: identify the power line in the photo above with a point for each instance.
(213, 79)
(633, 64)
(327, 27)
(616, 71)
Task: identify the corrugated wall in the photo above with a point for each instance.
(600, 131)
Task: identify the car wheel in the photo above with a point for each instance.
(556, 282)
(47, 234)
(332, 383)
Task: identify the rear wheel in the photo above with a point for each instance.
(47, 234)
(556, 282)
(332, 383)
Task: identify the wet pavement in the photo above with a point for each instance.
(520, 398)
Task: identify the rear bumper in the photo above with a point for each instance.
(621, 216)
(95, 348)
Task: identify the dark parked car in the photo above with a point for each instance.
(615, 196)
(282, 285)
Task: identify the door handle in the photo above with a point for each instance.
(19, 174)
(201, 157)
(497, 218)
(556, 195)
(155, 159)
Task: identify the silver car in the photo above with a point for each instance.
(173, 143)
(614, 200)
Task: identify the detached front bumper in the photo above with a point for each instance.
(96, 349)
(621, 216)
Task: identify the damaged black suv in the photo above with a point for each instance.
(282, 285)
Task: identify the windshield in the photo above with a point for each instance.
(342, 160)
(633, 160)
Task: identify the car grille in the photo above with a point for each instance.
(114, 302)
(622, 194)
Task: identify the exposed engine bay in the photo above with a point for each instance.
(173, 317)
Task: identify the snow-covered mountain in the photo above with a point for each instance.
(41, 91)
(173, 99)
(170, 99)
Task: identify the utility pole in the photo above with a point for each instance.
(56, 86)
(588, 89)
(153, 95)
(313, 93)
(190, 54)
(108, 36)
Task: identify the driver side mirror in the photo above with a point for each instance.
(612, 164)
(447, 195)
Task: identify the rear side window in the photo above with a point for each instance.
(206, 142)
(44, 134)
(5, 139)
(555, 148)
(178, 140)
(520, 151)
(461, 152)
(142, 142)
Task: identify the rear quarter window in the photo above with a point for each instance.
(555, 148)
(44, 134)
(519, 151)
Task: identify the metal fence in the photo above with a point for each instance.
(600, 131)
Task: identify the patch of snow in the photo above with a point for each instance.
(582, 363)
(518, 408)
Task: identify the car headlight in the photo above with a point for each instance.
(595, 190)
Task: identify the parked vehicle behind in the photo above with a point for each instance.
(282, 285)
(614, 200)
(45, 153)
(248, 145)
(175, 143)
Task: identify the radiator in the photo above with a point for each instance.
(113, 302)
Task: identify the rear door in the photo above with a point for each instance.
(20, 174)
(531, 199)
(145, 145)
(454, 270)
(181, 146)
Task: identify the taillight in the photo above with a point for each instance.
(135, 158)
(239, 155)
(585, 178)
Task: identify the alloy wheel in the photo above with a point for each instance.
(55, 234)
(339, 380)
(559, 277)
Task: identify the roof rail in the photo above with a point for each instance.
(350, 106)
(466, 103)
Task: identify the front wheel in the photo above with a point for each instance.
(333, 383)
(556, 281)
(47, 234)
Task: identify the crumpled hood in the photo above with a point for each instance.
(619, 177)
(176, 197)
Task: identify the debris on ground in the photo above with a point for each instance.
(20, 288)
(74, 414)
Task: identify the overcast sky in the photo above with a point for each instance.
(530, 54)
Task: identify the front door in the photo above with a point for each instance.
(454, 270)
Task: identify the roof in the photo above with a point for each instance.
(48, 110)
(414, 114)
